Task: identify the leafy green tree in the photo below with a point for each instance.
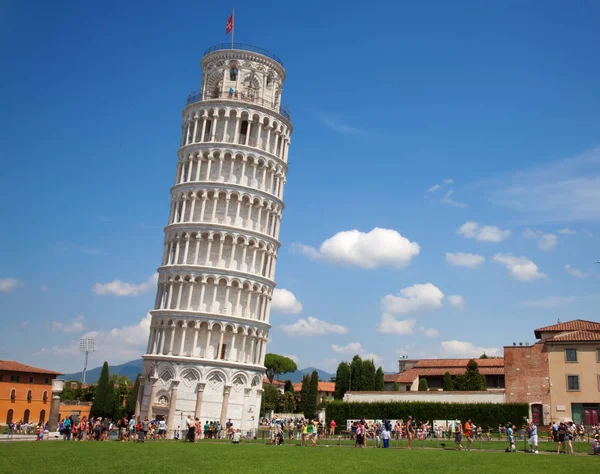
(484, 356)
(289, 387)
(277, 364)
(104, 403)
(379, 380)
(287, 402)
(342, 380)
(132, 396)
(310, 406)
(356, 373)
(423, 385)
(471, 380)
(448, 384)
(395, 387)
(271, 397)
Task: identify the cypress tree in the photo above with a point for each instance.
(368, 375)
(310, 407)
(132, 396)
(288, 386)
(356, 377)
(104, 404)
(447, 384)
(342, 380)
(379, 382)
(304, 393)
(423, 385)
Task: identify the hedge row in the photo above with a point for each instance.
(484, 414)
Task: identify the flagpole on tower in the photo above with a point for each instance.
(232, 26)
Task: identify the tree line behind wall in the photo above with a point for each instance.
(357, 375)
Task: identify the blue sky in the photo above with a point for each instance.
(494, 102)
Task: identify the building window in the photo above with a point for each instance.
(571, 355)
(14, 378)
(45, 396)
(597, 358)
(13, 394)
(47, 381)
(29, 395)
(31, 379)
(573, 383)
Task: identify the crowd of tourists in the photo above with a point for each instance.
(195, 430)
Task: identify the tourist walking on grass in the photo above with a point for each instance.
(385, 436)
(533, 437)
(562, 432)
(410, 431)
(510, 430)
(458, 434)
(570, 436)
(469, 433)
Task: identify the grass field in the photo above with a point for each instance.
(179, 457)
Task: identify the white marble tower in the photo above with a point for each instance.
(210, 322)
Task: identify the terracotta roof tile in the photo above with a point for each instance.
(407, 376)
(575, 325)
(461, 363)
(575, 336)
(323, 386)
(12, 366)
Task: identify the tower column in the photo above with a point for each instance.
(172, 405)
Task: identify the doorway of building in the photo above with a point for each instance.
(590, 416)
(537, 414)
(26, 416)
(9, 416)
(43, 416)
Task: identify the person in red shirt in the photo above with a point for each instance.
(468, 433)
(332, 426)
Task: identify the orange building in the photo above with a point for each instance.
(25, 392)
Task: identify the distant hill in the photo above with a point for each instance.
(297, 376)
(134, 367)
(130, 369)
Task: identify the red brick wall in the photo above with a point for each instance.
(526, 375)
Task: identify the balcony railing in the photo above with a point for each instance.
(244, 47)
(241, 96)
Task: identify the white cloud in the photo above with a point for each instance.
(120, 288)
(430, 332)
(457, 301)
(460, 259)
(521, 268)
(545, 241)
(44, 288)
(434, 188)
(560, 191)
(8, 284)
(486, 233)
(379, 247)
(116, 345)
(312, 327)
(416, 298)
(448, 181)
(463, 350)
(447, 199)
(339, 126)
(284, 301)
(355, 348)
(295, 358)
(548, 302)
(566, 231)
(70, 326)
(390, 325)
(575, 272)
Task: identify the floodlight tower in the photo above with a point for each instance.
(86, 345)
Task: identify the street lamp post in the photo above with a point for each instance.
(86, 345)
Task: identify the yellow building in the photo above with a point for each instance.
(573, 350)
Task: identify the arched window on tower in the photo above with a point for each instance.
(269, 80)
(206, 136)
(243, 132)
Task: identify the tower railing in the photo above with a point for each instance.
(195, 96)
(243, 47)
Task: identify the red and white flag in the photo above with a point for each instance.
(229, 26)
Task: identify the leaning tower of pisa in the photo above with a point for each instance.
(210, 322)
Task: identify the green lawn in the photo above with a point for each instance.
(179, 457)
